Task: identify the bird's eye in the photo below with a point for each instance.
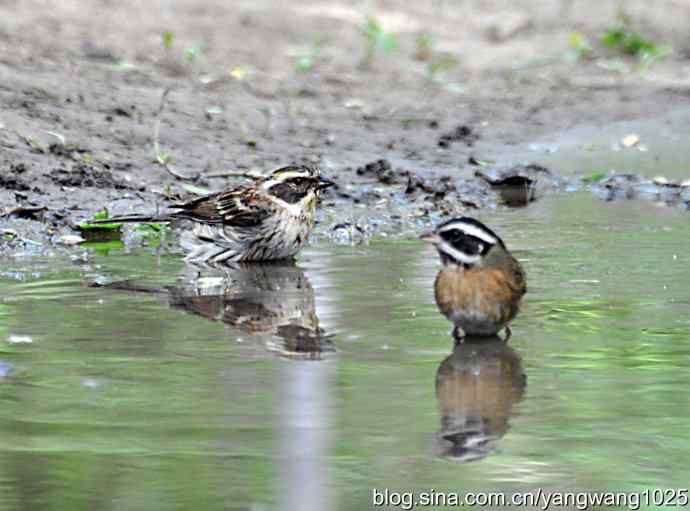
(455, 235)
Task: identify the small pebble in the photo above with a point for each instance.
(70, 239)
(630, 140)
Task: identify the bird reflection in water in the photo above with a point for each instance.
(477, 386)
(258, 299)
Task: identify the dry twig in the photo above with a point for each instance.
(162, 158)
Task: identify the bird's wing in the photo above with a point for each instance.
(241, 207)
(520, 282)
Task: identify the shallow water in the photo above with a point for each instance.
(306, 387)
(584, 150)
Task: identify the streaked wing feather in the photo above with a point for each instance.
(238, 208)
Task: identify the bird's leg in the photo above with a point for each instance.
(457, 335)
(197, 290)
(227, 280)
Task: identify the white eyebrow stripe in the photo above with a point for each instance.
(459, 256)
(271, 182)
(472, 230)
(292, 174)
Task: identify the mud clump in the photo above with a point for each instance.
(82, 175)
(438, 189)
(443, 195)
(12, 181)
(382, 170)
(66, 151)
(461, 133)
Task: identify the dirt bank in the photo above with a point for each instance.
(253, 86)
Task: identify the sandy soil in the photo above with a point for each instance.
(81, 84)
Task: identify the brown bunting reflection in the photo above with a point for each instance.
(477, 386)
(267, 299)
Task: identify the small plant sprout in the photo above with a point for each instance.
(624, 39)
(647, 59)
(304, 63)
(188, 56)
(437, 63)
(440, 64)
(192, 53)
(580, 47)
(238, 73)
(375, 39)
(425, 47)
(306, 58)
(162, 158)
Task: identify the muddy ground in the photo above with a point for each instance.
(81, 87)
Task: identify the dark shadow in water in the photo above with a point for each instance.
(516, 186)
(476, 387)
(275, 299)
(516, 195)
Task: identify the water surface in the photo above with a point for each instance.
(305, 387)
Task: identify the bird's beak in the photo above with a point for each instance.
(323, 183)
(430, 237)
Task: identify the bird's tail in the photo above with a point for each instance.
(143, 219)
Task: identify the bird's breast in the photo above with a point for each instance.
(479, 293)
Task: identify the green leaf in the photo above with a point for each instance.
(594, 177)
(373, 28)
(304, 64)
(377, 37)
(425, 42)
(96, 227)
(614, 36)
(580, 45)
(100, 215)
(647, 59)
(168, 39)
(388, 42)
(163, 158)
(192, 53)
(440, 65)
